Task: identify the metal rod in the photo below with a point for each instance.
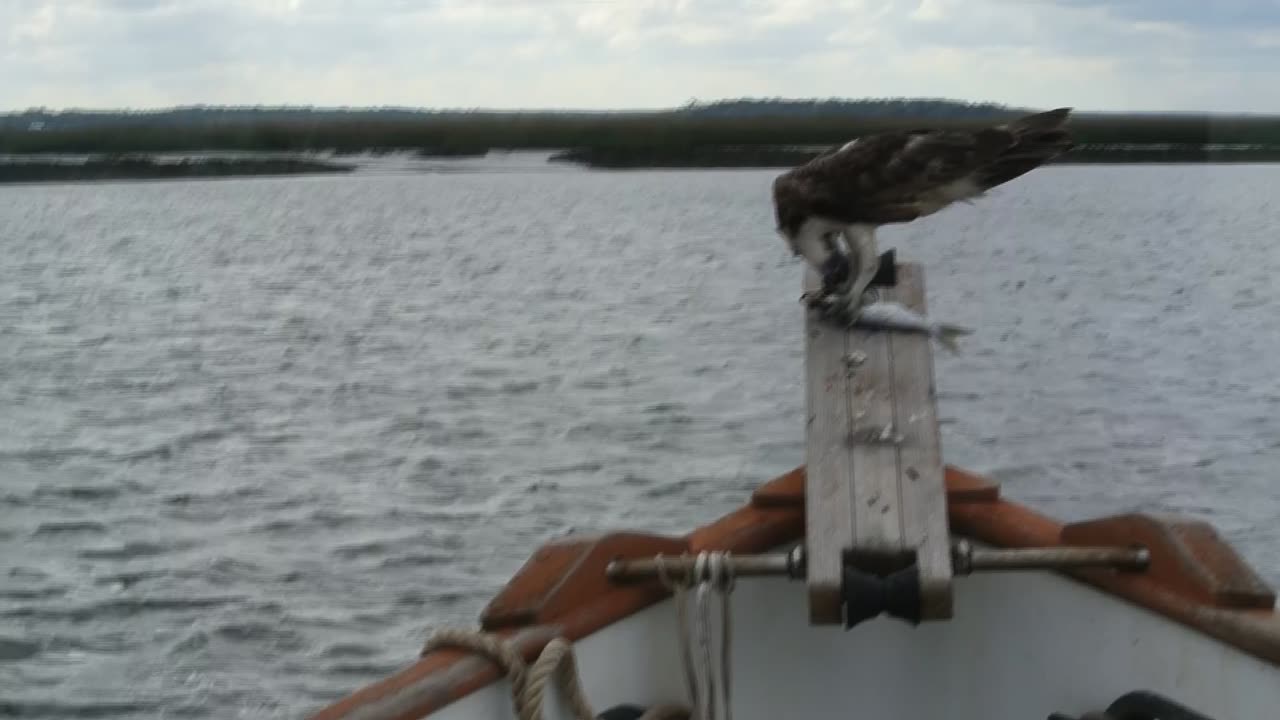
(965, 559)
(790, 564)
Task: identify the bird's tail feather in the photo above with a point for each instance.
(1039, 122)
(1038, 138)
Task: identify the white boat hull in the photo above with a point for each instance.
(1025, 645)
(1197, 627)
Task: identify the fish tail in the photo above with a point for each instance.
(946, 336)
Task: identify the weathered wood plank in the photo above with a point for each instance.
(875, 495)
(828, 522)
(877, 522)
(922, 484)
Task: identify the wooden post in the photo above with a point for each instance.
(875, 496)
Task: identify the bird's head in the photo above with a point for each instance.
(837, 271)
(788, 208)
(789, 223)
(822, 251)
(817, 245)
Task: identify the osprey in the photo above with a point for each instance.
(896, 177)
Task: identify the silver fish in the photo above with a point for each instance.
(887, 315)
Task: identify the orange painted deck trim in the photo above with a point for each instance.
(1195, 579)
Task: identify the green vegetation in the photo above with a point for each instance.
(703, 156)
(1173, 154)
(728, 132)
(127, 168)
(865, 107)
(232, 116)
(750, 156)
(544, 131)
(452, 152)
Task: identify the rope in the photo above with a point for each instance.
(492, 647)
(723, 580)
(529, 683)
(712, 571)
(682, 634)
(704, 635)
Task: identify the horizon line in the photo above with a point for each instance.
(426, 109)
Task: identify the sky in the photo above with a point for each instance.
(1220, 55)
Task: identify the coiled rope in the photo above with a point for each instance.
(557, 662)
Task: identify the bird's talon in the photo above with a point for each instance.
(816, 300)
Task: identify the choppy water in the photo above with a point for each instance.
(258, 436)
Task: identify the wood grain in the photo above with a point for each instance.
(828, 521)
(875, 495)
(921, 476)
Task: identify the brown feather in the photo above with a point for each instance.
(898, 176)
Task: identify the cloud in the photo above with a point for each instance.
(1216, 14)
(1092, 54)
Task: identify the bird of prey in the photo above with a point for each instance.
(896, 177)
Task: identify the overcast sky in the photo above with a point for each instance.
(1090, 54)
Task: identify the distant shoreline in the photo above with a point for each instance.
(719, 156)
(738, 133)
(147, 168)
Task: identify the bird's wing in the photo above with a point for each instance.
(883, 177)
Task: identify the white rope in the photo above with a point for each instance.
(704, 634)
(723, 579)
(529, 683)
(683, 633)
(712, 572)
